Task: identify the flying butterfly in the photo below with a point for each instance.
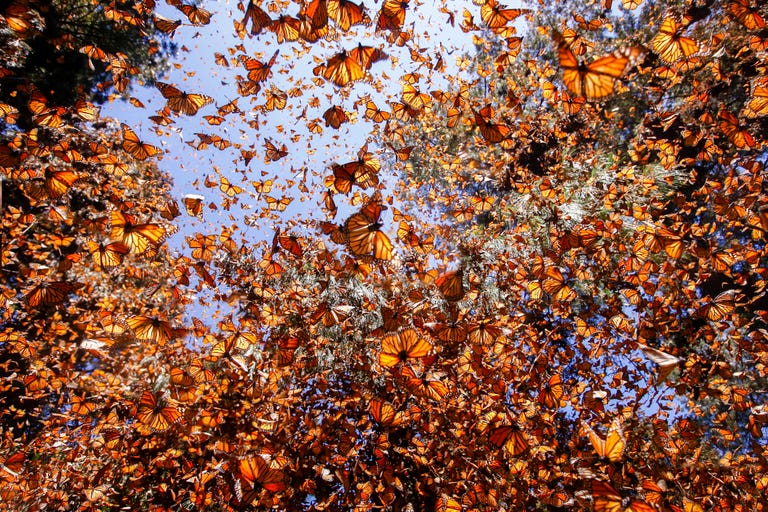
(551, 393)
(195, 15)
(341, 69)
(180, 101)
(150, 328)
(399, 347)
(594, 80)
(286, 28)
(165, 25)
(491, 132)
(608, 499)
(373, 113)
(255, 470)
(367, 56)
(392, 15)
(335, 117)
(109, 255)
(193, 203)
(384, 413)
(137, 236)
(257, 16)
(273, 153)
(497, 16)
(670, 44)
(612, 447)
(49, 293)
(135, 146)
(758, 102)
(451, 285)
(363, 230)
(347, 13)
(747, 15)
(511, 438)
(154, 414)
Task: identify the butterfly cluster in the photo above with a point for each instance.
(537, 281)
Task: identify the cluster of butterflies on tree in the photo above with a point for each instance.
(476, 359)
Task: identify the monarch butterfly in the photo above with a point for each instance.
(138, 237)
(165, 25)
(179, 377)
(193, 203)
(155, 414)
(49, 293)
(364, 170)
(608, 499)
(180, 101)
(82, 406)
(107, 256)
(447, 504)
(551, 394)
(200, 372)
(203, 246)
(316, 13)
(491, 132)
(384, 413)
(275, 99)
(17, 16)
(338, 234)
(497, 16)
(149, 328)
(331, 315)
(43, 115)
(510, 437)
(670, 44)
(286, 28)
(86, 111)
(257, 16)
(585, 24)
(722, 305)
(277, 204)
(272, 152)
(228, 188)
(746, 14)
(758, 102)
(341, 69)
(666, 362)
(594, 80)
(257, 472)
(425, 385)
(554, 284)
(373, 113)
(335, 117)
(170, 210)
(483, 333)
(346, 13)
(576, 42)
(56, 183)
(451, 285)
(194, 14)
(735, 133)
(415, 98)
(364, 234)
(135, 147)
(367, 56)
(612, 447)
(392, 15)
(402, 111)
(398, 347)
(291, 244)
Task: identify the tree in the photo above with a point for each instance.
(70, 49)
